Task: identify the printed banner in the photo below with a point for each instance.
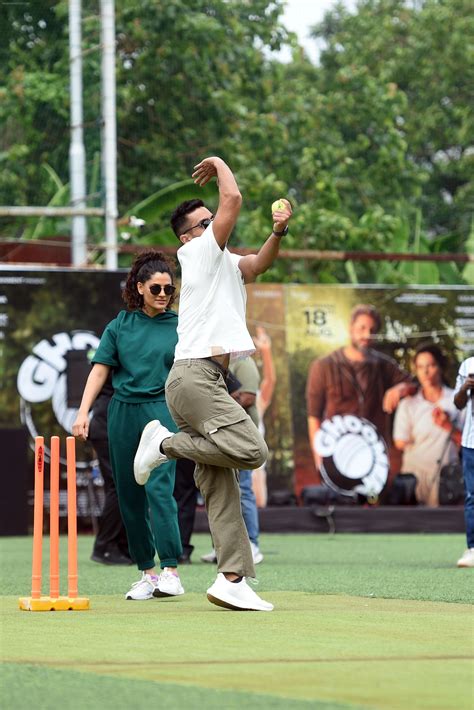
(49, 318)
(353, 453)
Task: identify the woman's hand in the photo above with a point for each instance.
(441, 418)
(81, 426)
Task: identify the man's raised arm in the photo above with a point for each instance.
(230, 199)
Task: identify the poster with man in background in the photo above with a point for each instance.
(349, 369)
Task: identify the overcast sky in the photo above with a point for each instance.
(301, 15)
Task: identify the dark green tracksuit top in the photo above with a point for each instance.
(140, 350)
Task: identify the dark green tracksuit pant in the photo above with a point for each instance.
(149, 512)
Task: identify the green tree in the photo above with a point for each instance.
(183, 69)
(423, 50)
(373, 146)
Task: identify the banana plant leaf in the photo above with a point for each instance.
(165, 200)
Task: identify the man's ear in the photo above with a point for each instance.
(183, 238)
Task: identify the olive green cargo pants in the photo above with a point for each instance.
(220, 437)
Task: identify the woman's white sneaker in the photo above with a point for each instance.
(168, 585)
(143, 589)
(236, 596)
(148, 454)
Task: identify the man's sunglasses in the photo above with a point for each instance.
(204, 224)
(155, 289)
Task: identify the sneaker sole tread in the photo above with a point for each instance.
(228, 605)
(145, 440)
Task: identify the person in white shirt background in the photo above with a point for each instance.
(463, 399)
(263, 344)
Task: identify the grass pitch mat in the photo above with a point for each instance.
(321, 648)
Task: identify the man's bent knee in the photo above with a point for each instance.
(256, 453)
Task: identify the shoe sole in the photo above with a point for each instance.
(228, 605)
(145, 440)
(209, 562)
(134, 599)
(159, 594)
(463, 565)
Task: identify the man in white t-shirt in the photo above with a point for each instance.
(215, 431)
(463, 399)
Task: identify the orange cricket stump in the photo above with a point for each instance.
(54, 602)
(54, 519)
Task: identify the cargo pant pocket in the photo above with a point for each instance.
(237, 436)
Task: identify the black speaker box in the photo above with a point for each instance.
(14, 482)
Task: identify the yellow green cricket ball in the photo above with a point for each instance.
(278, 206)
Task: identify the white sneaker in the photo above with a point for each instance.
(211, 557)
(143, 589)
(169, 585)
(148, 454)
(256, 554)
(236, 596)
(467, 560)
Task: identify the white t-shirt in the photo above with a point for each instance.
(212, 301)
(426, 441)
(467, 368)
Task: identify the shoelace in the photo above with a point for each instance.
(143, 579)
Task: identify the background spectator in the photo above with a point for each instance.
(463, 399)
(427, 425)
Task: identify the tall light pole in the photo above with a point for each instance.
(109, 130)
(77, 154)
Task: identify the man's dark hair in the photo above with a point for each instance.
(179, 216)
(365, 309)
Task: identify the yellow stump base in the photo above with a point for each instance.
(51, 604)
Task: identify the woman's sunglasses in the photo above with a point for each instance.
(155, 289)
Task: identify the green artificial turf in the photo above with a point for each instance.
(71, 690)
(360, 621)
(392, 566)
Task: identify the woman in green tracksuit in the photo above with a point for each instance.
(138, 346)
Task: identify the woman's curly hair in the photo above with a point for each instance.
(143, 268)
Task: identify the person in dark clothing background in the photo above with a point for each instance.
(110, 545)
(186, 495)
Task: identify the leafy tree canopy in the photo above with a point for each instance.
(374, 145)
